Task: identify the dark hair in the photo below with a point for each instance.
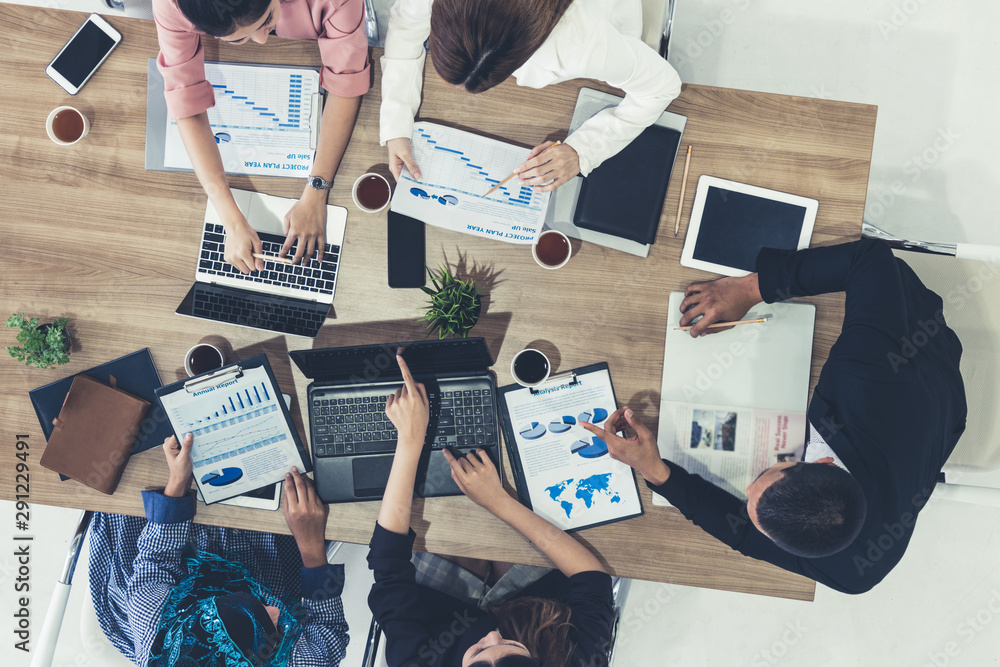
(219, 18)
(813, 510)
(509, 661)
(479, 44)
(542, 625)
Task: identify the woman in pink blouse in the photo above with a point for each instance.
(337, 25)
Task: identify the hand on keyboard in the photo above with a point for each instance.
(409, 410)
(241, 243)
(306, 222)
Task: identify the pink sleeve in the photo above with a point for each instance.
(181, 62)
(343, 47)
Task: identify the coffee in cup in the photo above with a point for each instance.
(66, 126)
(530, 367)
(203, 358)
(371, 192)
(551, 249)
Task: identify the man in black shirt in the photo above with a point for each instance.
(887, 412)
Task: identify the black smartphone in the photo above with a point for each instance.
(406, 251)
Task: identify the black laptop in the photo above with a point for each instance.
(352, 439)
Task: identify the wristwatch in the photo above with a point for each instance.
(319, 183)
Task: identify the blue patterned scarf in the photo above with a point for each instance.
(215, 617)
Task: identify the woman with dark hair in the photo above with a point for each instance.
(477, 45)
(437, 614)
(338, 27)
(171, 593)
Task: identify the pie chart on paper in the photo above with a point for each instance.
(562, 424)
(532, 431)
(225, 477)
(596, 417)
(592, 449)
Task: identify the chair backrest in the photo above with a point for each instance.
(971, 292)
(657, 23)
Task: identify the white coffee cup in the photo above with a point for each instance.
(187, 360)
(52, 117)
(357, 183)
(537, 378)
(551, 233)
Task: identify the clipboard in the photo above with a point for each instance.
(156, 118)
(244, 435)
(559, 435)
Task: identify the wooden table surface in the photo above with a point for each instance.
(90, 235)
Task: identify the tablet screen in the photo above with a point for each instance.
(735, 226)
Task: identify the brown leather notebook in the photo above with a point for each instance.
(94, 432)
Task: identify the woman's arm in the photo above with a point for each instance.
(306, 221)
(409, 412)
(477, 477)
(241, 240)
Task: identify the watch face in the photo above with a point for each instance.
(317, 182)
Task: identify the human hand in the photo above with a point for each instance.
(477, 477)
(179, 464)
(408, 410)
(306, 223)
(639, 451)
(721, 300)
(241, 244)
(400, 156)
(306, 516)
(549, 162)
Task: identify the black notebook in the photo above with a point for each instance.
(624, 196)
(135, 374)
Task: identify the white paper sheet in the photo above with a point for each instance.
(261, 120)
(241, 438)
(457, 168)
(742, 394)
(571, 479)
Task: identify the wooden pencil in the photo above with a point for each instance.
(759, 320)
(494, 188)
(684, 182)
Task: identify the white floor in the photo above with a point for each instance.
(931, 67)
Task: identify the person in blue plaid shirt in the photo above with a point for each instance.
(169, 593)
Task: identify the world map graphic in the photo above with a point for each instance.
(568, 493)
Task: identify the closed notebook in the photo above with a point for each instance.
(94, 432)
(624, 195)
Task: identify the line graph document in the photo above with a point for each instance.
(262, 120)
(242, 440)
(458, 168)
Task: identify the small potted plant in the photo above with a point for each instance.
(42, 345)
(454, 306)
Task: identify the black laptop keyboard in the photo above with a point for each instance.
(359, 425)
(262, 313)
(307, 275)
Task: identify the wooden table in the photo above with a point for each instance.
(88, 234)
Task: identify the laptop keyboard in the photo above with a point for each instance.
(260, 313)
(359, 425)
(308, 276)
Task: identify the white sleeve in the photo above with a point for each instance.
(403, 67)
(627, 63)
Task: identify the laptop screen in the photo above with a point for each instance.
(371, 363)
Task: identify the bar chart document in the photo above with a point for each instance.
(242, 440)
(457, 169)
(264, 120)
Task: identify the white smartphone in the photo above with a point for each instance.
(83, 54)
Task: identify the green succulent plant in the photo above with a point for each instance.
(454, 306)
(43, 345)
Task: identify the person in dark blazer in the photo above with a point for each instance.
(887, 412)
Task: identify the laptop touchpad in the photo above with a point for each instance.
(371, 474)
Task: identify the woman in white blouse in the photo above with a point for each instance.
(476, 44)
